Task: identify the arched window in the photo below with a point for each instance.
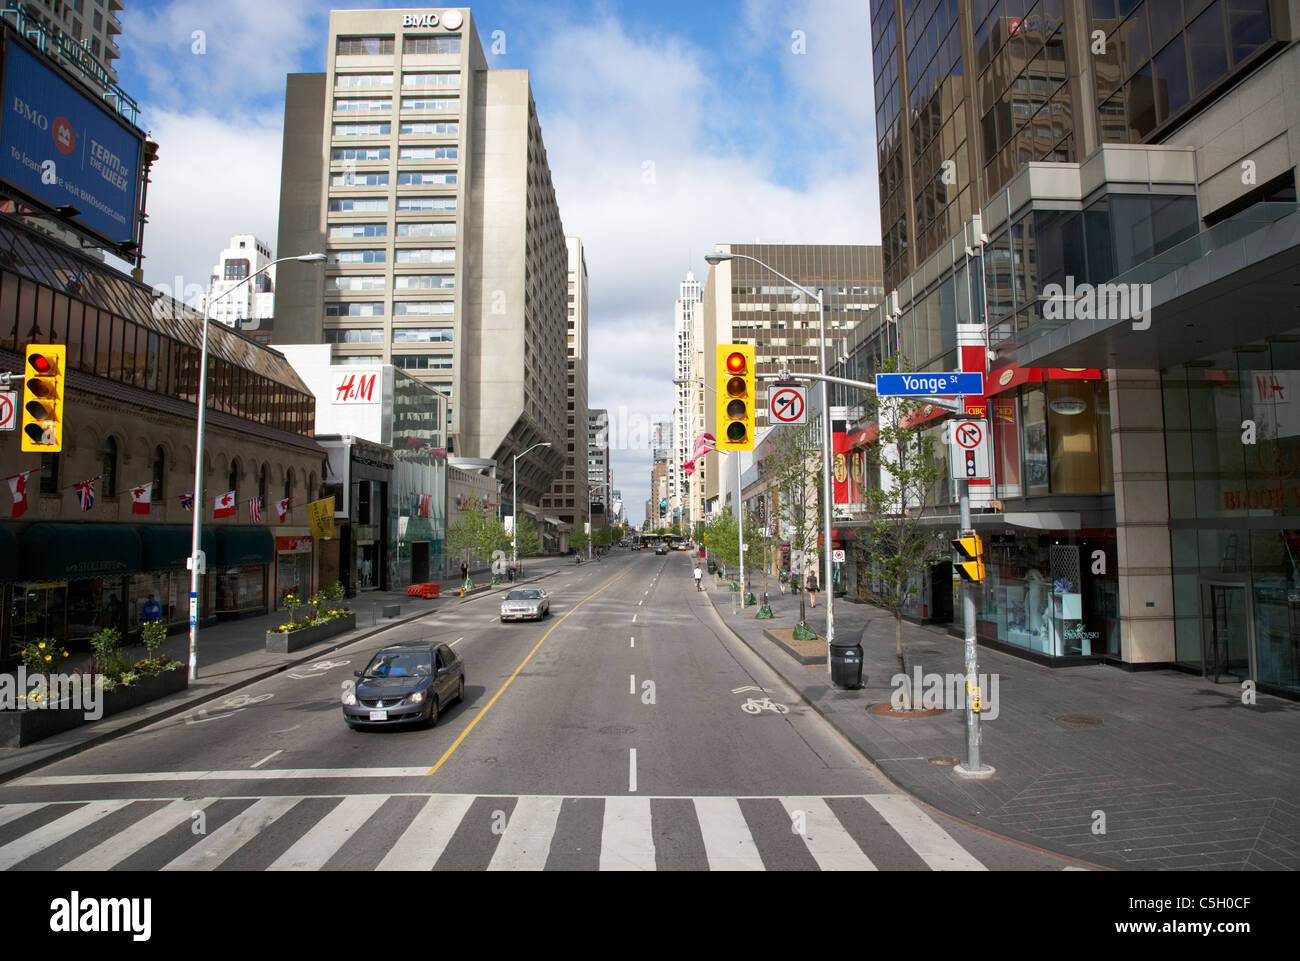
(312, 492)
(288, 484)
(159, 473)
(108, 469)
(234, 477)
(261, 486)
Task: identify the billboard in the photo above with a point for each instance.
(59, 146)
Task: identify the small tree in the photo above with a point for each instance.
(466, 537)
(578, 539)
(791, 466)
(530, 542)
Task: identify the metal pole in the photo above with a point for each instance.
(196, 533)
(514, 506)
(828, 484)
(740, 529)
(972, 767)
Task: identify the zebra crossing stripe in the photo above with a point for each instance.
(832, 847)
(54, 832)
(935, 845)
(12, 812)
(527, 841)
(322, 842)
(421, 844)
(626, 840)
(122, 845)
(727, 841)
(244, 827)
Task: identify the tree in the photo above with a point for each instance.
(529, 541)
(578, 539)
(722, 534)
(791, 465)
(467, 537)
(898, 545)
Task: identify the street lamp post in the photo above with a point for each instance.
(198, 563)
(514, 501)
(827, 487)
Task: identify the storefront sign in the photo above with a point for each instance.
(1253, 500)
(1069, 406)
(354, 388)
(293, 545)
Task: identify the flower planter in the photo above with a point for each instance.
(21, 727)
(286, 642)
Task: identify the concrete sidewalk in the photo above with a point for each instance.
(232, 655)
(1183, 774)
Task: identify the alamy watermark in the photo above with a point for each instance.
(31, 692)
(947, 692)
(1098, 302)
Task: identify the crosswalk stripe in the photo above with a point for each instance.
(527, 840)
(12, 812)
(832, 847)
(727, 841)
(244, 827)
(935, 845)
(36, 841)
(626, 841)
(126, 842)
(421, 844)
(322, 842)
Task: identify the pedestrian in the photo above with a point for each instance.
(464, 571)
(152, 611)
(699, 578)
(812, 589)
(780, 581)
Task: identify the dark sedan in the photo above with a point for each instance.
(407, 684)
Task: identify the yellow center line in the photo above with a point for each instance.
(465, 733)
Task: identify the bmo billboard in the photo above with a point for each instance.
(60, 147)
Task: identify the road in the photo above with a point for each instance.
(610, 736)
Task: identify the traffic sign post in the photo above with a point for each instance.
(927, 385)
(788, 404)
(8, 410)
(969, 450)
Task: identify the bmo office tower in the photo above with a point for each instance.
(423, 175)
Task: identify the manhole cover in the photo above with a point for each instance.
(618, 729)
(944, 761)
(887, 710)
(1079, 720)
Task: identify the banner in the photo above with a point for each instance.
(320, 515)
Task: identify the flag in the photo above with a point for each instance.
(425, 503)
(224, 506)
(255, 510)
(18, 491)
(140, 498)
(86, 493)
(282, 508)
(187, 502)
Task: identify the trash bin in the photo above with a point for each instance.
(846, 665)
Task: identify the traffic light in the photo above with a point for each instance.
(43, 399)
(971, 549)
(735, 386)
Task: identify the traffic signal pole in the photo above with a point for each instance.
(972, 767)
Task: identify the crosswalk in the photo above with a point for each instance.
(479, 832)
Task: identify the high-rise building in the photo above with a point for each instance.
(423, 175)
(237, 304)
(687, 422)
(599, 477)
(1124, 179)
(565, 498)
(78, 33)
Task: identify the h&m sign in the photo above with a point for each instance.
(354, 388)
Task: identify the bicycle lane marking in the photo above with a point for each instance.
(487, 707)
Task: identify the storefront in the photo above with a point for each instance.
(243, 561)
(293, 564)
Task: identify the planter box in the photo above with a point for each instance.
(19, 728)
(286, 642)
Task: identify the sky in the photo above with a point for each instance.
(669, 127)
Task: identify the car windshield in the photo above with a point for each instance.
(401, 664)
(530, 595)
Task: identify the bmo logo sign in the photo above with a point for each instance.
(420, 20)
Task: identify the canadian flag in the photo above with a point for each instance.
(224, 505)
(282, 508)
(140, 498)
(18, 491)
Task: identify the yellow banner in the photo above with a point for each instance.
(320, 514)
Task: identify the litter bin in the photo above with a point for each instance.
(846, 665)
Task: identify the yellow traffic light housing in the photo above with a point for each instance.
(735, 397)
(43, 399)
(971, 549)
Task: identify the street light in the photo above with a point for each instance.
(714, 259)
(514, 501)
(198, 563)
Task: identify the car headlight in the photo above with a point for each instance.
(416, 698)
(350, 699)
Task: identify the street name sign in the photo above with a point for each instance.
(923, 385)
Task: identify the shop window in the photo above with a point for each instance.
(1072, 431)
(1006, 440)
(108, 468)
(1035, 441)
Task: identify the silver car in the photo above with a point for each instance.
(525, 604)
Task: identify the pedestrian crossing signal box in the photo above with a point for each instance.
(970, 549)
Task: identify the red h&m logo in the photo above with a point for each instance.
(357, 388)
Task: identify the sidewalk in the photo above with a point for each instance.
(1184, 774)
(232, 655)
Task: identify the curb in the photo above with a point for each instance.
(172, 710)
(919, 792)
(801, 658)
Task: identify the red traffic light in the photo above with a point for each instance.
(41, 364)
(736, 362)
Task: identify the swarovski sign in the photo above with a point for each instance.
(420, 20)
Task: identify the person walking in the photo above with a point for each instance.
(699, 578)
(812, 589)
(152, 611)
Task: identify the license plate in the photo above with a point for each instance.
(379, 715)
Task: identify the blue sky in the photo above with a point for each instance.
(669, 127)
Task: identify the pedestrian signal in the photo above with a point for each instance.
(971, 550)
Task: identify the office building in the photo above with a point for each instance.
(599, 476)
(688, 412)
(251, 306)
(79, 34)
(423, 175)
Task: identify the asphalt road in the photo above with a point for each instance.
(611, 735)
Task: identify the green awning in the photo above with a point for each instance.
(8, 553)
(62, 552)
(166, 547)
(237, 546)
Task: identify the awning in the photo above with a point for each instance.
(838, 536)
(237, 546)
(1013, 376)
(56, 552)
(166, 547)
(8, 554)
